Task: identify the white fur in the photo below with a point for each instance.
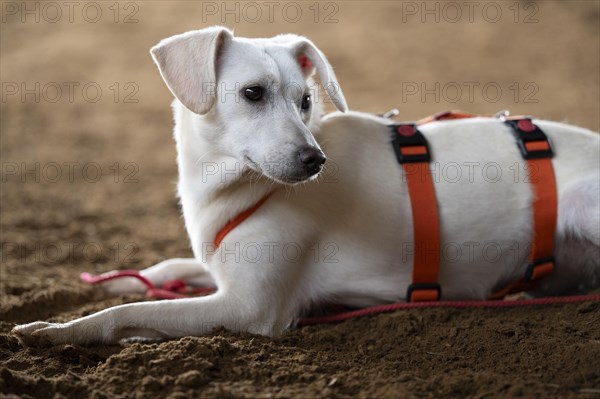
(352, 224)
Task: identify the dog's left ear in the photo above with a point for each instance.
(311, 59)
(188, 63)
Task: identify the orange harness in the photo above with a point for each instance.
(413, 154)
(236, 221)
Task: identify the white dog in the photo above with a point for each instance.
(248, 123)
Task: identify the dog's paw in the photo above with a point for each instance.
(42, 334)
(38, 334)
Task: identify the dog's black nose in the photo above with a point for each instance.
(313, 158)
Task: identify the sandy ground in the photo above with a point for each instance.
(88, 185)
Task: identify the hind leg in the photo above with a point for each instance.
(189, 270)
(577, 240)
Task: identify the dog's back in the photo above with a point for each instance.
(484, 196)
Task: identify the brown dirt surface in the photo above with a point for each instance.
(89, 186)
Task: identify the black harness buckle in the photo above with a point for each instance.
(527, 134)
(409, 143)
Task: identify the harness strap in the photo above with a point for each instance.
(412, 152)
(536, 149)
(239, 219)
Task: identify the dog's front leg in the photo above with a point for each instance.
(259, 297)
(158, 319)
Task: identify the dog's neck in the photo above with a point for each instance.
(213, 187)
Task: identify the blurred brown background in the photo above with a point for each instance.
(540, 58)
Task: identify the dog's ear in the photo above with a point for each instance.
(188, 63)
(311, 59)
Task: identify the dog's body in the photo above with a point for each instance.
(347, 236)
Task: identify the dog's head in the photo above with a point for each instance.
(259, 93)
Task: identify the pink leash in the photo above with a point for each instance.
(175, 289)
(336, 318)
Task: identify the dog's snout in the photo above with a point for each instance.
(312, 158)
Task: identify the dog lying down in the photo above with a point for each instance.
(249, 123)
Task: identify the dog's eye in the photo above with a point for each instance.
(253, 93)
(305, 102)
